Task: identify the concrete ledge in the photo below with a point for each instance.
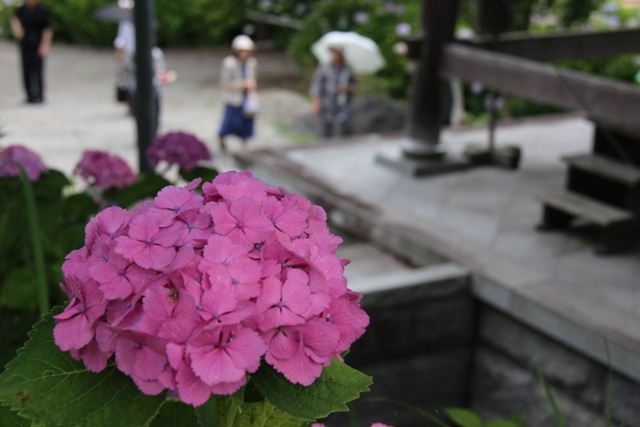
(434, 281)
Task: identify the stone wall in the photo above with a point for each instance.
(504, 379)
(418, 348)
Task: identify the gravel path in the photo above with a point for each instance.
(81, 112)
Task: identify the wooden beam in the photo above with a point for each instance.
(564, 45)
(553, 46)
(604, 100)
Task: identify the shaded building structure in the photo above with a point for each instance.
(476, 336)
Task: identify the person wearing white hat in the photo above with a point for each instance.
(238, 84)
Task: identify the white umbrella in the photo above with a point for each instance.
(361, 53)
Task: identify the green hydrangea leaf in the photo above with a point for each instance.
(463, 417)
(251, 393)
(9, 418)
(207, 174)
(175, 413)
(79, 207)
(50, 185)
(208, 413)
(501, 423)
(11, 226)
(337, 385)
(48, 386)
(147, 186)
(19, 288)
(264, 414)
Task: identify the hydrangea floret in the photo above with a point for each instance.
(192, 291)
(104, 170)
(178, 148)
(14, 155)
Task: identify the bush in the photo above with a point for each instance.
(198, 22)
(73, 22)
(371, 18)
(181, 23)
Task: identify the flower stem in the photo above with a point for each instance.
(232, 413)
(226, 414)
(34, 231)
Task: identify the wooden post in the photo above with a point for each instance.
(144, 103)
(495, 16)
(429, 89)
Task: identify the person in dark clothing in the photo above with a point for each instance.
(332, 91)
(32, 29)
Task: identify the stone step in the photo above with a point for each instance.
(584, 208)
(367, 260)
(605, 168)
(373, 270)
(405, 286)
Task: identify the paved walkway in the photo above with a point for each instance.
(81, 112)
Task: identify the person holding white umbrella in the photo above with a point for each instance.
(340, 56)
(332, 90)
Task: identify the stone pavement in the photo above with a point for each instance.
(81, 112)
(484, 219)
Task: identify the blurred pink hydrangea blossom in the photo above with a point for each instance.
(104, 170)
(192, 290)
(30, 161)
(178, 148)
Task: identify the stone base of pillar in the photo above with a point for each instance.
(506, 156)
(419, 150)
(395, 158)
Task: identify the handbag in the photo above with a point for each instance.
(122, 94)
(251, 105)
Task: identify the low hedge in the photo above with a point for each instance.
(193, 23)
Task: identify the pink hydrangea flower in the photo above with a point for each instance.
(178, 148)
(30, 161)
(104, 170)
(193, 292)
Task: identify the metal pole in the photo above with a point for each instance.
(426, 111)
(144, 105)
(493, 121)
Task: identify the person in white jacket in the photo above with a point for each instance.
(238, 84)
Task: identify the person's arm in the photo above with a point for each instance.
(353, 83)
(47, 36)
(251, 83)
(16, 28)
(45, 44)
(227, 80)
(349, 85)
(316, 90)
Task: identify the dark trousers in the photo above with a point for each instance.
(327, 128)
(32, 65)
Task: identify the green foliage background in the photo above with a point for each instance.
(193, 23)
(380, 26)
